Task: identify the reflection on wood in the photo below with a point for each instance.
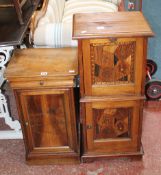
(112, 123)
(113, 63)
(47, 120)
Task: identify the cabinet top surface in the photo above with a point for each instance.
(30, 63)
(112, 24)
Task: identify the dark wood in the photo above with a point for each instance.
(43, 82)
(49, 124)
(12, 33)
(141, 5)
(18, 7)
(121, 6)
(112, 58)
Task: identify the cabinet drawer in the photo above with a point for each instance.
(113, 66)
(43, 83)
(112, 126)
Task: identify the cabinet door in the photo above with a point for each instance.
(113, 126)
(48, 120)
(113, 66)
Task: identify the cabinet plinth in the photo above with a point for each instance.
(43, 83)
(112, 58)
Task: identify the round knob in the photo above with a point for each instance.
(122, 69)
(26, 123)
(120, 126)
(41, 83)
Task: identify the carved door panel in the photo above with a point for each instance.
(113, 126)
(113, 64)
(48, 120)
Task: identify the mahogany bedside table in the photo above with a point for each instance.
(112, 59)
(43, 84)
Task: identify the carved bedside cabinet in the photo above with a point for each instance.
(112, 58)
(43, 81)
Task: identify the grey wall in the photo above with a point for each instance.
(152, 11)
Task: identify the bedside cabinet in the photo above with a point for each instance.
(112, 59)
(43, 83)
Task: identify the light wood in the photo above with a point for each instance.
(59, 65)
(112, 75)
(113, 24)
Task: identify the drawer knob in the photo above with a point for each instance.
(89, 126)
(122, 69)
(26, 123)
(41, 83)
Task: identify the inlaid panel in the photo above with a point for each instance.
(112, 123)
(113, 62)
(47, 120)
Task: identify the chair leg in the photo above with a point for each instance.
(32, 2)
(18, 11)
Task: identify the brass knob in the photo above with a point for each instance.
(89, 126)
(41, 83)
(120, 126)
(122, 69)
(26, 123)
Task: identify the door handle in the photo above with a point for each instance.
(26, 123)
(89, 126)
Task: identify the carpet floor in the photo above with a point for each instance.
(12, 155)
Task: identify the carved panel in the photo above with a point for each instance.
(113, 63)
(47, 120)
(112, 123)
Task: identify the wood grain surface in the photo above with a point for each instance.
(112, 24)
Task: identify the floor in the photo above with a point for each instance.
(12, 158)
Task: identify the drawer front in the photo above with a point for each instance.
(43, 83)
(112, 126)
(113, 66)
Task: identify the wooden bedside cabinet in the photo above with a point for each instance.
(112, 59)
(43, 83)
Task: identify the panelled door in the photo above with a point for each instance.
(113, 66)
(113, 126)
(48, 119)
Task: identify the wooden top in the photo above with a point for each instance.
(112, 24)
(30, 63)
